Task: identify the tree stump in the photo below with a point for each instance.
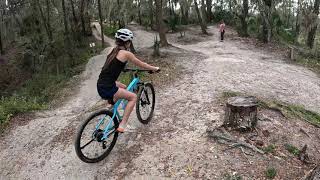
(241, 112)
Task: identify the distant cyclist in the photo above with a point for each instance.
(222, 30)
(108, 87)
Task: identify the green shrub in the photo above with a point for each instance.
(173, 22)
(228, 176)
(271, 173)
(270, 148)
(253, 26)
(110, 30)
(292, 149)
(38, 91)
(220, 14)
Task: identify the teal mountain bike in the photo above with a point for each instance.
(97, 135)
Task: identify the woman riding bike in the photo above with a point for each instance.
(108, 87)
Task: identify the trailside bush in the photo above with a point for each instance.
(110, 30)
(10, 106)
(173, 22)
(220, 14)
(253, 26)
(43, 86)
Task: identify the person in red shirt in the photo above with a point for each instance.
(222, 30)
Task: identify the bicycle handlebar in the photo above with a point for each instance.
(139, 70)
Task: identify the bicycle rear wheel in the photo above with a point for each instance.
(89, 146)
(145, 103)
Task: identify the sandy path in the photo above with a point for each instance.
(234, 66)
(174, 144)
(96, 31)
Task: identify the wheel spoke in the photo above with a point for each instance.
(111, 133)
(87, 144)
(146, 95)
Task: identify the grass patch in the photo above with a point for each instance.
(288, 110)
(271, 173)
(312, 63)
(10, 106)
(228, 94)
(292, 149)
(228, 176)
(269, 149)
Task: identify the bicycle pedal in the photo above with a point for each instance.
(104, 145)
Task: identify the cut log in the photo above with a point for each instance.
(241, 112)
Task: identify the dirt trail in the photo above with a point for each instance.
(96, 31)
(174, 145)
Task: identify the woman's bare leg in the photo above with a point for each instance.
(132, 98)
(120, 85)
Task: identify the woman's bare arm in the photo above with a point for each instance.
(131, 57)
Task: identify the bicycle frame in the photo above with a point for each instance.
(132, 86)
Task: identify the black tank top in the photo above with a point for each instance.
(110, 74)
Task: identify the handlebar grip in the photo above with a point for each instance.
(151, 72)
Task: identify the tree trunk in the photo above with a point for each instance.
(297, 29)
(172, 7)
(170, 10)
(48, 20)
(202, 25)
(151, 13)
(83, 24)
(120, 16)
(312, 32)
(183, 19)
(209, 10)
(139, 12)
(160, 24)
(241, 112)
(101, 24)
(265, 11)
(44, 21)
(1, 25)
(203, 13)
(243, 17)
(1, 46)
(75, 20)
(65, 22)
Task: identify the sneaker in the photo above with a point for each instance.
(120, 130)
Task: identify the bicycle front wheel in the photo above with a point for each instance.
(145, 103)
(89, 145)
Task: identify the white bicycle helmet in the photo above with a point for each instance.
(124, 35)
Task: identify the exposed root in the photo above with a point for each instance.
(222, 136)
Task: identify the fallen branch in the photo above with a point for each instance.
(304, 132)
